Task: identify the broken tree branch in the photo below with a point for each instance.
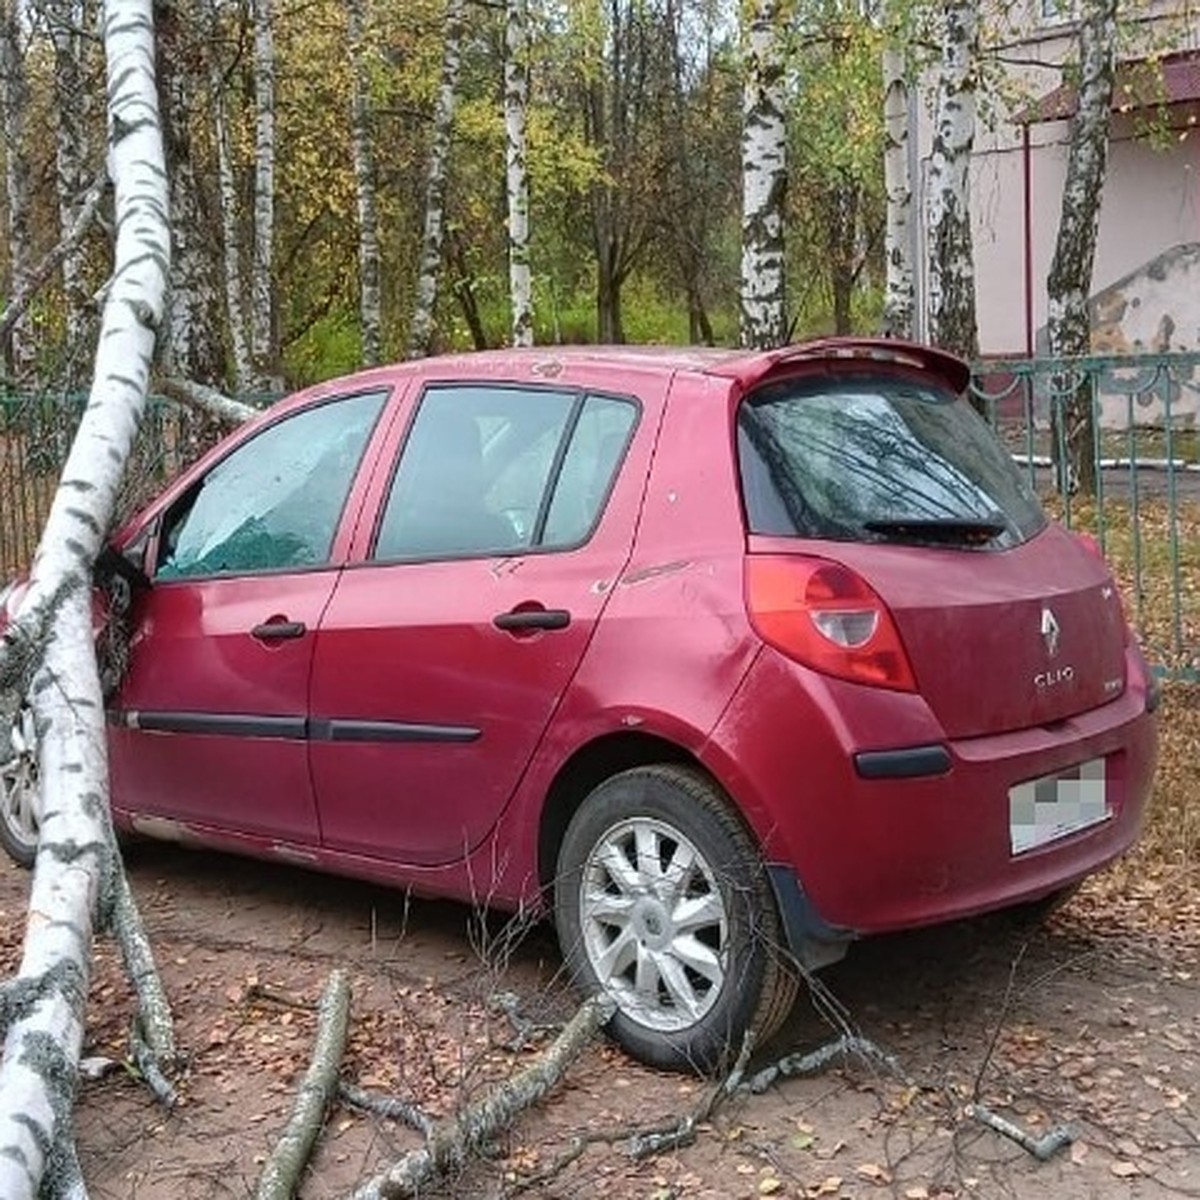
(152, 1035)
(282, 1171)
(457, 1138)
(391, 1108)
(207, 400)
(1043, 1148)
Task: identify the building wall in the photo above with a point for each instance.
(1151, 203)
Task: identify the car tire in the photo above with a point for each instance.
(662, 900)
(19, 823)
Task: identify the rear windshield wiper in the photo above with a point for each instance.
(964, 531)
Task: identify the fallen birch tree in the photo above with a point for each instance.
(48, 659)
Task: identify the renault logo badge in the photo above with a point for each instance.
(1050, 631)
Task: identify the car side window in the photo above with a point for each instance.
(588, 468)
(275, 502)
(496, 470)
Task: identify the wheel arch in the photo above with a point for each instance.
(588, 767)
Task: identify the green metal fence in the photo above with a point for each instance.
(35, 435)
(1145, 512)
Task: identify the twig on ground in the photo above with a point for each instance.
(391, 1108)
(1043, 1148)
(525, 1028)
(282, 1170)
(260, 993)
(808, 1064)
(454, 1140)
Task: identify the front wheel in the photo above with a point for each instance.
(19, 817)
(662, 901)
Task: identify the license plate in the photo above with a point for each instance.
(1044, 810)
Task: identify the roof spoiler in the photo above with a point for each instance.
(951, 369)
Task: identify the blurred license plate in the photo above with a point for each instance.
(1043, 810)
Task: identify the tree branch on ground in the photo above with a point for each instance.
(281, 1174)
(458, 1138)
(1043, 1148)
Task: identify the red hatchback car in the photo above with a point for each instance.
(727, 658)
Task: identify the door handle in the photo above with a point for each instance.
(521, 620)
(278, 630)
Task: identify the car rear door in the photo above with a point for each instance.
(209, 728)
(444, 652)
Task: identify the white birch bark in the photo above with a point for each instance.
(764, 179)
(76, 858)
(14, 99)
(420, 334)
(516, 103)
(192, 347)
(951, 284)
(1069, 285)
(899, 296)
(227, 201)
(37, 276)
(67, 21)
(370, 303)
(262, 326)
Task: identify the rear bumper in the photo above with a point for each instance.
(898, 850)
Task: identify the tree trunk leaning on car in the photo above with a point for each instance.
(48, 654)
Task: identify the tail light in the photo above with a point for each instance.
(827, 617)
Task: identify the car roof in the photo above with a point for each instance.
(591, 364)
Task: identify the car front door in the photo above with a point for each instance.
(209, 727)
(443, 654)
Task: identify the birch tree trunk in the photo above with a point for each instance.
(1069, 285)
(420, 334)
(951, 288)
(899, 297)
(370, 304)
(67, 21)
(227, 202)
(193, 348)
(516, 102)
(76, 863)
(263, 350)
(764, 180)
(14, 97)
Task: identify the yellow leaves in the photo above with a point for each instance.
(877, 1174)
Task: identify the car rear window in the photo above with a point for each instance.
(878, 458)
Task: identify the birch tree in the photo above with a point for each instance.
(193, 347)
(77, 866)
(951, 280)
(14, 97)
(67, 21)
(369, 300)
(1068, 323)
(420, 333)
(516, 101)
(900, 294)
(263, 349)
(227, 204)
(764, 179)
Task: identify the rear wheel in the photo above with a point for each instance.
(19, 818)
(662, 900)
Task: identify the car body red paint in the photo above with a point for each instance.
(381, 724)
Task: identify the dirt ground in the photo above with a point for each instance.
(1092, 1019)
